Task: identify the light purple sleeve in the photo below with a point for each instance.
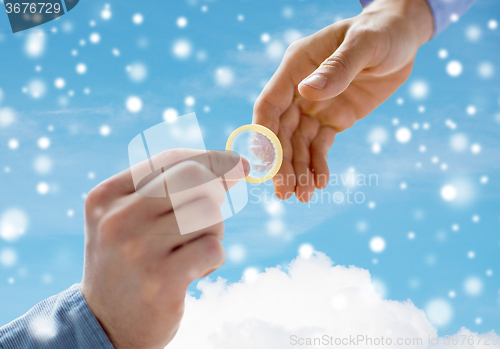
(445, 11)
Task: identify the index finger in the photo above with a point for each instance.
(219, 162)
(278, 93)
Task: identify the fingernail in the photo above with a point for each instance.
(317, 81)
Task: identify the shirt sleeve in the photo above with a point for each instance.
(63, 321)
(445, 11)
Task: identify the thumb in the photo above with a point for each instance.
(336, 73)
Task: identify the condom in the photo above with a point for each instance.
(261, 148)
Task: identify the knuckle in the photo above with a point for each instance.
(346, 122)
(111, 225)
(217, 197)
(294, 47)
(338, 63)
(263, 105)
(363, 33)
(171, 154)
(131, 251)
(199, 176)
(96, 198)
(213, 248)
(211, 210)
(375, 39)
(196, 172)
(219, 228)
(208, 216)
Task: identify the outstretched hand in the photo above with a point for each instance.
(331, 79)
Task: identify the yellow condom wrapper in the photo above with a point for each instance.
(261, 148)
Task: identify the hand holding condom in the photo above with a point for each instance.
(261, 148)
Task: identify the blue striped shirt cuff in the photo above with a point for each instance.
(445, 11)
(63, 321)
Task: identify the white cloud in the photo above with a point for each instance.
(312, 298)
(303, 301)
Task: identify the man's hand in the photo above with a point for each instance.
(137, 264)
(331, 79)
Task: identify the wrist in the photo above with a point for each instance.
(417, 14)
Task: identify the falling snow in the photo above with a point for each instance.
(65, 124)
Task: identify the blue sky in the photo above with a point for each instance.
(214, 61)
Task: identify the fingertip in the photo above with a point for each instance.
(321, 176)
(285, 181)
(330, 91)
(305, 182)
(246, 166)
(319, 184)
(304, 195)
(282, 194)
(316, 81)
(309, 92)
